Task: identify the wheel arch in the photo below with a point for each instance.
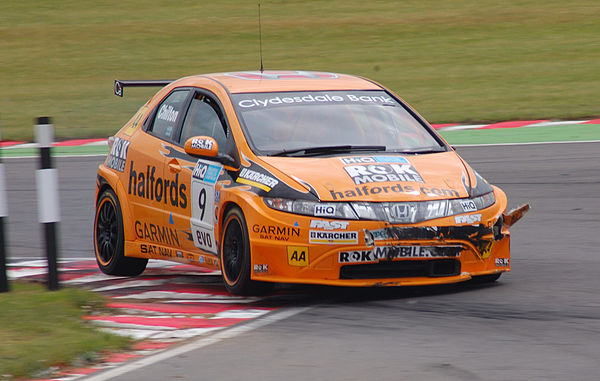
(109, 180)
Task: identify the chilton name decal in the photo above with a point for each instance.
(147, 186)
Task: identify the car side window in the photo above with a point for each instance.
(204, 119)
(168, 113)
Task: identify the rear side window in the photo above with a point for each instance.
(168, 114)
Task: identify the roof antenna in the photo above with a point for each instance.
(260, 38)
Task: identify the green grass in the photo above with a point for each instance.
(564, 133)
(455, 61)
(41, 329)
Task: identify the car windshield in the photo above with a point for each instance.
(322, 122)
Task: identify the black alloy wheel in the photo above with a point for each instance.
(107, 233)
(109, 239)
(235, 257)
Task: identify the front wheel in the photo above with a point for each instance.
(235, 256)
(109, 239)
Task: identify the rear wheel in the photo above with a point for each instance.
(235, 256)
(109, 239)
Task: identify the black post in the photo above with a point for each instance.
(3, 214)
(47, 196)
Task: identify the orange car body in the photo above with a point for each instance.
(173, 204)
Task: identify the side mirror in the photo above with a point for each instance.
(201, 146)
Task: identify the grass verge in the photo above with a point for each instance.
(41, 329)
(546, 134)
(455, 61)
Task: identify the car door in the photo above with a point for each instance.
(204, 117)
(151, 187)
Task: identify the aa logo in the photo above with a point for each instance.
(297, 255)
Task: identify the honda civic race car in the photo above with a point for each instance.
(295, 177)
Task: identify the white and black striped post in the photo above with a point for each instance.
(47, 196)
(3, 214)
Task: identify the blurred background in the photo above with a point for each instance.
(454, 61)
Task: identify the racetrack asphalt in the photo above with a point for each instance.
(539, 322)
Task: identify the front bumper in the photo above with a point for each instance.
(381, 254)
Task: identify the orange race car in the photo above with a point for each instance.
(296, 177)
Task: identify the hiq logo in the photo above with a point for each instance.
(206, 172)
(373, 159)
(324, 210)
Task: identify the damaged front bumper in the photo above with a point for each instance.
(446, 239)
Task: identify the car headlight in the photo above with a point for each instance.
(413, 212)
(340, 210)
(393, 212)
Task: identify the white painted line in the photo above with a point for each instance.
(197, 344)
(225, 301)
(138, 334)
(178, 334)
(240, 314)
(93, 278)
(24, 145)
(184, 333)
(112, 324)
(462, 127)
(15, 274)
(188, 296)
(559, 123)
(523, 144)
(133, 283)
(95, 144)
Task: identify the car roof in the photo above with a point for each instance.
(282, 80)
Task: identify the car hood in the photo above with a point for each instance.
(380, 177)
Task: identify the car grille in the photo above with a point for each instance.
(402, 269)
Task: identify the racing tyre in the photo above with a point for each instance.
(481, 279)
(235, 257)
(109, 239)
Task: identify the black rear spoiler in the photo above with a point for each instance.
(119, 85)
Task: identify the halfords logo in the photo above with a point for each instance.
(369, 190)
(328, 237)
(380, 173)
(147, 186)
(390, 252)
(118, 154)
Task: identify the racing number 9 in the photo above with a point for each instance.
(204, 178)
(202, 202)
